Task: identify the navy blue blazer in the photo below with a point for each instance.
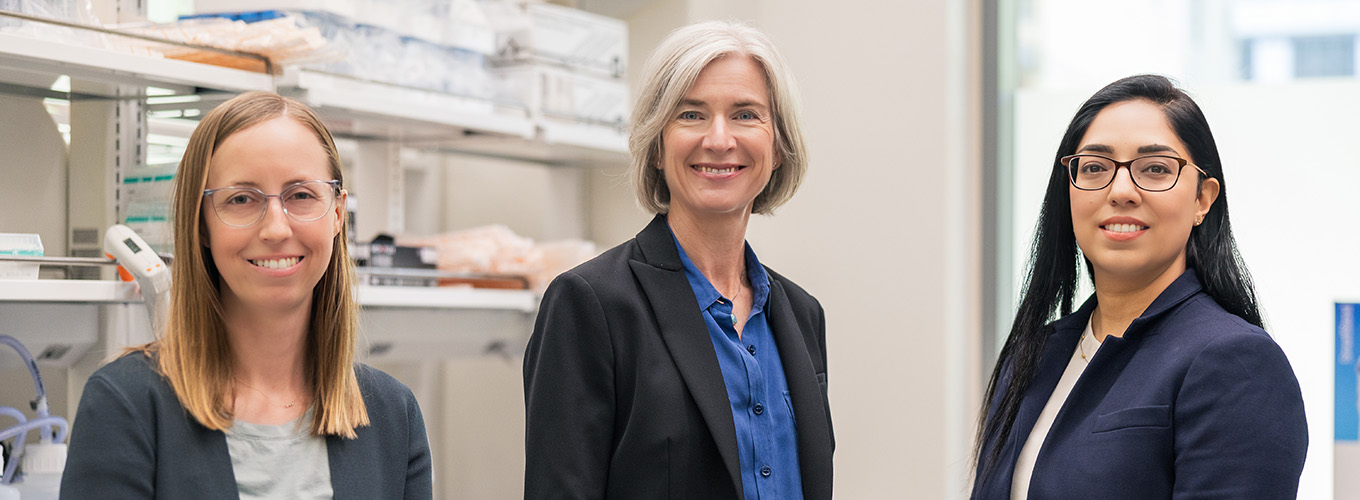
(1192, 402)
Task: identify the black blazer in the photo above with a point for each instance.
(623, 394)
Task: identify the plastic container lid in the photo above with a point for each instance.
(44, 458)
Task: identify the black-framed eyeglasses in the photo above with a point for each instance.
(242, 206)
(1155, 173)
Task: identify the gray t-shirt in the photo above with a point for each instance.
(279, 461)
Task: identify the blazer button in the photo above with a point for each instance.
(759, 409)
(751, 349)
(765, 471)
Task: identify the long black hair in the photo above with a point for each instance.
(1051, 282)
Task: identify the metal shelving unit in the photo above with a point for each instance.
(21, 55)
(422, 118)
(69, 291)
(377, 110)
(122, 87)
(446, 297)
(410, 297)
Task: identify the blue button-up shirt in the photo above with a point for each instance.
(767, 438)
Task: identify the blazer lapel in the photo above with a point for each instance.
(682, 329)
(1057, 352)
(813, 432)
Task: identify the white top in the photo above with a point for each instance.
(279, 461)
(1024, 466)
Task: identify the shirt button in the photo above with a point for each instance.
(765, 471)
(751, 349)
(759, 409)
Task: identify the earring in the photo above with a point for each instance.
(1199, 219)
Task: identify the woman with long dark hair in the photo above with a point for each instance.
(1164, 383)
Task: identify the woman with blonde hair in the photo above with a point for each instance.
(252, 388)
(676, 365)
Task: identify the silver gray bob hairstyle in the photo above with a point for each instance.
(671, 71)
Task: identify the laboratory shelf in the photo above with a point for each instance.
(601, 143)
(107, 291)
(422, 118)
(71, 291)
(585, 135)
(446, 298)
(367, 109)
(555, 143)
(24, 60)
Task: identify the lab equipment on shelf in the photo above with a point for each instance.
(553, 34)
(137, 260)
(565, 65)
(367, 51)
(22, 245)
(283, 39)
(41, 471)
(383, 254)
(59, 10)
(145, 203)
(382, 262)
(112, 46)
(556, 92)
(454, 23)
(495, 252)
(7, 492)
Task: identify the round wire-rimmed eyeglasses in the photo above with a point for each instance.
(244, 206)
(1154, 173)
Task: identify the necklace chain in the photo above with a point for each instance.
(1081, 346)
(1081, 340)
(289, 405)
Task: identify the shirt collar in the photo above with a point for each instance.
(706, 294)
(1182, 289)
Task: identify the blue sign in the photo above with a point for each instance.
(1347, 413)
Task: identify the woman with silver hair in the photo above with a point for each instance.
(676, 365)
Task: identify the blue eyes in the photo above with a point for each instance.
(742, 115)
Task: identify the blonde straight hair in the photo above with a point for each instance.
(192, 352)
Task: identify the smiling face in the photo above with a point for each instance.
(1131, 235)
(275, 263)
(718, 150)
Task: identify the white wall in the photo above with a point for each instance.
(1291, 195)
(33, 169)
(1292, 198)
(473, 404)
(536, 201)
(884, 231)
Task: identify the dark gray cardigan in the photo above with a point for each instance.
(132, 439)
